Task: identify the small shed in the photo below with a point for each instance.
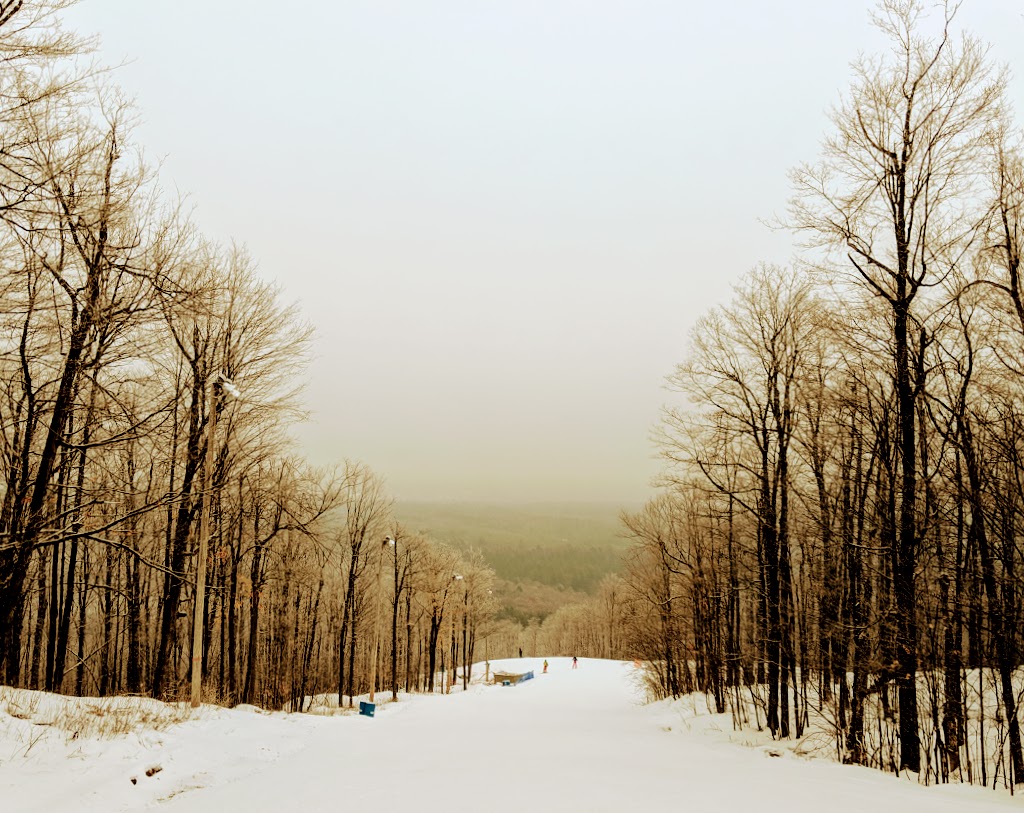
(511, 678)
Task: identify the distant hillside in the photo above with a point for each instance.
(547, 554)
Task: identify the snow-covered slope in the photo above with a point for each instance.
(570, 740)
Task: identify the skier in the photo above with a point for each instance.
(573, 661)
(545, 666)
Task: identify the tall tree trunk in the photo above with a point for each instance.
(42, 607)
(255, 577)
(347, 623)
(1002, 634)
(83, 601)
(179, 545)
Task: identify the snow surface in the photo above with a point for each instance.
(569, 740)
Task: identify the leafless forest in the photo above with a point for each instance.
(147, 379)
(837, 541)
(834, 542)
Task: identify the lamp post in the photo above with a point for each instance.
(394, 632)
(465, 625)
(219, 383)
(451, 653)
(388, 542)
(487, 659)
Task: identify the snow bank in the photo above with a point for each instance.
(569, 740)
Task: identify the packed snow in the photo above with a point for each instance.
(568, 740)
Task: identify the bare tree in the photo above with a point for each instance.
(367, 510)
(894, 193)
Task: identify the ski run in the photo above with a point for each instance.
(567, 740)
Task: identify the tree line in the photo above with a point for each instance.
(147, 380)
(836, 542)
(838, 536)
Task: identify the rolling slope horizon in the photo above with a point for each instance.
(544, 554)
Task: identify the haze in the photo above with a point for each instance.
(502, 218)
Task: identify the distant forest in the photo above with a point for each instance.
(545, 555)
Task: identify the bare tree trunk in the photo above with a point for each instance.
(255, 579)
(83, 600)
(179, 547)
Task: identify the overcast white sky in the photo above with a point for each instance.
(502, 217)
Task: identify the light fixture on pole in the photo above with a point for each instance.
(465, 630)
(451, 679)
(220, 383)
(487, 659)
(388, 542)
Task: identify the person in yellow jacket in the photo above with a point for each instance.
(545, 666)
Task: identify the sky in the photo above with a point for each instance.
(502, 218)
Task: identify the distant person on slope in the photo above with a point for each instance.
(573, 661)
(545, 666)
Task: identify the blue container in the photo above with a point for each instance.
(367, 709)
